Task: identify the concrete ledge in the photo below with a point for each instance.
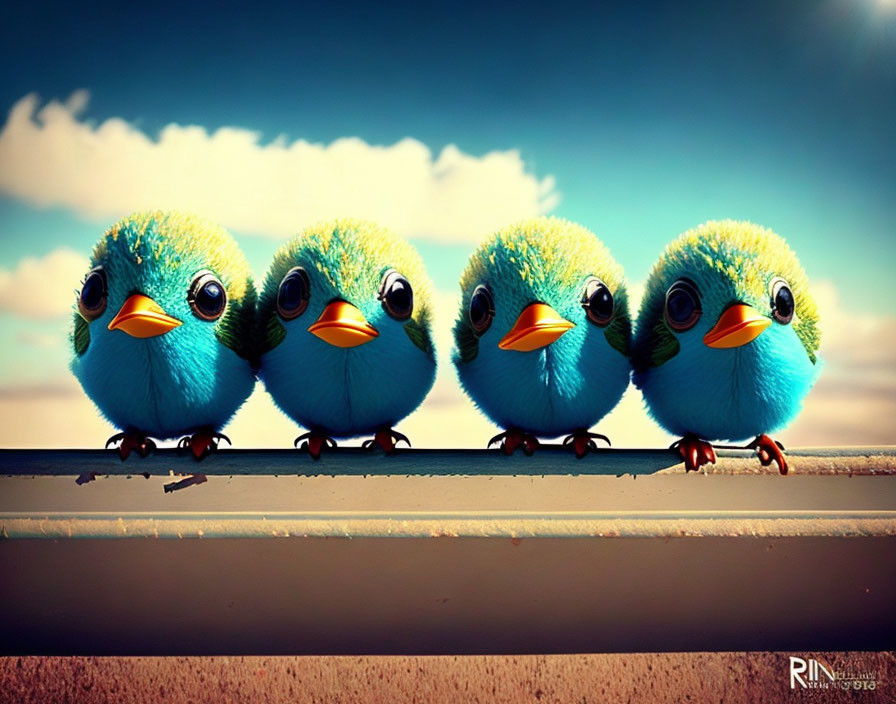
(462, 506)
(446, 595)
(449, 563)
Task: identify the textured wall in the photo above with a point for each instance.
(618, 678)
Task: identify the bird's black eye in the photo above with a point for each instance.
(482, 309)
(397, 295)
(92, 301)
(682, 305)
(207, 296)
(598, 302)
(293, 294)
(783, 304)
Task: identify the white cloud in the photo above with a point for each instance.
(48, 156)
(42, 287)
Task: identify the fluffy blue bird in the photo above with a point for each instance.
(163, 328)
(543, 333)
(726, 343)
(344, 333)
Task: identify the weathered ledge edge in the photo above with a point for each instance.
(548, 460)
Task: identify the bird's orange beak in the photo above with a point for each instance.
(140, 316)
(343, 325)
(538, 326)
(737, 326)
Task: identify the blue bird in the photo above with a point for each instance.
(542, 336)
(726, 343)
(344, 333)
(162, 330)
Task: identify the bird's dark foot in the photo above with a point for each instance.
(694, 451)
(387, 439)
(513, 438)
(202, 443)
(769, 451)
(582, 441)
(314, 443)
(131, 440)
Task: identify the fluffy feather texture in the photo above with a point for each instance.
(574, 381)
(347, 391)
(195, 376)
(726, 394)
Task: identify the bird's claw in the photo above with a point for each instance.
(695, 452)
(513, 438)
(769, 451)
(202, 443)
(400, 437)
(582, 441)
(387, 439)
(314, 442)
(131, 440)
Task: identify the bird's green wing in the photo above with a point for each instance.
(661, 346)
(619, 334)
(466, 340)
(619, 331)
(807, 331)
(272, 334)
(418, 332)
(234, 329)
(80, 334)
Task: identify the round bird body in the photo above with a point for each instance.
(344, 332)
(543, 333)
(163, 328)
(727, 339)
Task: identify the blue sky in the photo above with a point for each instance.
(649, 117)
